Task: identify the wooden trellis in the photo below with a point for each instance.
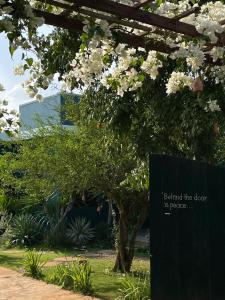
(126, 16)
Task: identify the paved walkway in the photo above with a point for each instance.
(14, 286)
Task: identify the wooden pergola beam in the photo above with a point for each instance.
(127, 38)
(77, 26)
(128, 12)
(111, 19)
(187, 13)
(60, 21)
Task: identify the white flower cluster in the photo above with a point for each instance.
(208, 21)
(126, 68)
(151, 65)
(218, 73)
(36, 81)
(212, 106)
(177, 81)
(217, 53)
(19, 70)
(101, 59)
(8, 119)
(193, 54)
(124, 74)
(88, 66)
(91, 62)
(170, 9)
(118, 66)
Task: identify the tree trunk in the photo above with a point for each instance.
(109, 221)
(126, 245)
(69, 207)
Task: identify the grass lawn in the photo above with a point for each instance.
(105, 283)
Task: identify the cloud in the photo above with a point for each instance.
(16, 96)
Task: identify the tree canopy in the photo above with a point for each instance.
(74, 161)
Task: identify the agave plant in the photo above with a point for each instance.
(80, 231)
(25, 230)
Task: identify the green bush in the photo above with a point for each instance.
(33, 264)
(8, 203)
(25, 230)
(49, 216)
(72, 276)
(3, 201)
(5, 219)
(60, 275)
(135, 288)
(80, 231)
(81, 275)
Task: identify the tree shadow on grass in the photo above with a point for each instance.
(9, 261)
(107, 290)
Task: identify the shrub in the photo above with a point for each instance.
(25, 230)
(135, 288)
(3, 201)
(49, 216)
(60, 275)
(81, 275)
(72, 276)
(5, 219)
(8, 204)
(33, 264)
(80, 231)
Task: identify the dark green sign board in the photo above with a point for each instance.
(187, 230)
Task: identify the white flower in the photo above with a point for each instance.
(217, 53)
(2, 123)
(212, 106)
(195, 57)
(151, 65)
(177, 81)
(19, 70)
(120, 48)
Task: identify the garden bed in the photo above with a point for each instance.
(106, 284)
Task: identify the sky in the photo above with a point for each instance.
(14, 92)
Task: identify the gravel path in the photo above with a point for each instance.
(14, 286)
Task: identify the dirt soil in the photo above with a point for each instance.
(14, 286)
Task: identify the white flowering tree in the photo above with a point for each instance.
(119, 43)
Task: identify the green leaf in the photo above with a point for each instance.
(159, 2)
(29, 61)
(25, 67)
(141, 77)
(11, 50)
